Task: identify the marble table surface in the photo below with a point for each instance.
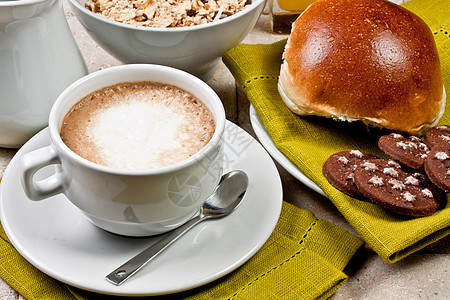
(423, 275)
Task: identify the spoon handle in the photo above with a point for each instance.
(125, 271)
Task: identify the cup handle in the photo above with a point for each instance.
(34, 161)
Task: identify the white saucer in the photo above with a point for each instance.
(286, 163)
(56, 238)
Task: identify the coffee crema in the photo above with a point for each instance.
(137, 126)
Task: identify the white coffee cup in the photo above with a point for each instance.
(128, 202)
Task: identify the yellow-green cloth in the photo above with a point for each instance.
(309, 141)
(302, 259)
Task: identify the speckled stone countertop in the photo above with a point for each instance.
(423, 275)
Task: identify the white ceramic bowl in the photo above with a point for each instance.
(195, 49)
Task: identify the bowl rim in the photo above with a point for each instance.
(254, 5)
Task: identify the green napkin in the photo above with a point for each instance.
(303, 259)
(309, 141)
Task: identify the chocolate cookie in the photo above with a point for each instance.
(437, 167)
(438, 136)
(339, 170)
(409, 151)
(385, 183)
(438, 194)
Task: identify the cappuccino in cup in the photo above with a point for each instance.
(137, 158)
(138, 126)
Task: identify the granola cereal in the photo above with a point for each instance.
(166, 13)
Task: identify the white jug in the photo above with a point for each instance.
(38, 60)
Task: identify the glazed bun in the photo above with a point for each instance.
(367, 60)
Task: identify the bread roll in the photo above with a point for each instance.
(368, 60)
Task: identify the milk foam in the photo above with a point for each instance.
(135, 128)
(135, 134)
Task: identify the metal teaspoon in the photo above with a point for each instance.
(225, 198)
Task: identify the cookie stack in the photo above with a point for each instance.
(413, 182)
